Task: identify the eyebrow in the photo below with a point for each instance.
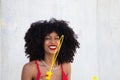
(50, 35)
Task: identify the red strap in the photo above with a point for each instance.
(64, 77)
(38, 75)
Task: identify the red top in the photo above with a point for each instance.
(64, 77)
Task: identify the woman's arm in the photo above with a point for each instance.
(27, 72)
(67, 68)
(69, 71)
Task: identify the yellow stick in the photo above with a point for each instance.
(57, 52)
(49, 73)
(94, 77)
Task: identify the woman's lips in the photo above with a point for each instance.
(52, 47)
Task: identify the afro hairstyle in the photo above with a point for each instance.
(34, 40)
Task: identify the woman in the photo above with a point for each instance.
(42, 40)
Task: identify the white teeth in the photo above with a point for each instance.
(52, 46)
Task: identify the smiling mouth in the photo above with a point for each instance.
(52, 47)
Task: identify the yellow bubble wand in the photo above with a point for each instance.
(49, 73)
(95, 78)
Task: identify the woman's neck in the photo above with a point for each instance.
(48, 59)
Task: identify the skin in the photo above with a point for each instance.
(29, 71)
(50, 40)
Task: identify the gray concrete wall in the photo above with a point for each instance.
(95, 21)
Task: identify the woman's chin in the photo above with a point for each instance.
(52, 52)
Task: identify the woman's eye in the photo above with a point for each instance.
(57, 38)
(47, 38)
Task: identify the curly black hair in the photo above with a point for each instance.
(35, 35)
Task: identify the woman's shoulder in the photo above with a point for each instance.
(30, 66)
(66, 64)
(66, 67)
(29, 70)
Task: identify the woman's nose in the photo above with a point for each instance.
(53, 40)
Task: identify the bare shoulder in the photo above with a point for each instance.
(28, 71)
(67, 69)
(29, 66)
(67, 65)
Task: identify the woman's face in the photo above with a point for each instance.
(51, 43)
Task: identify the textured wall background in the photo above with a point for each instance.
(95, 21)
